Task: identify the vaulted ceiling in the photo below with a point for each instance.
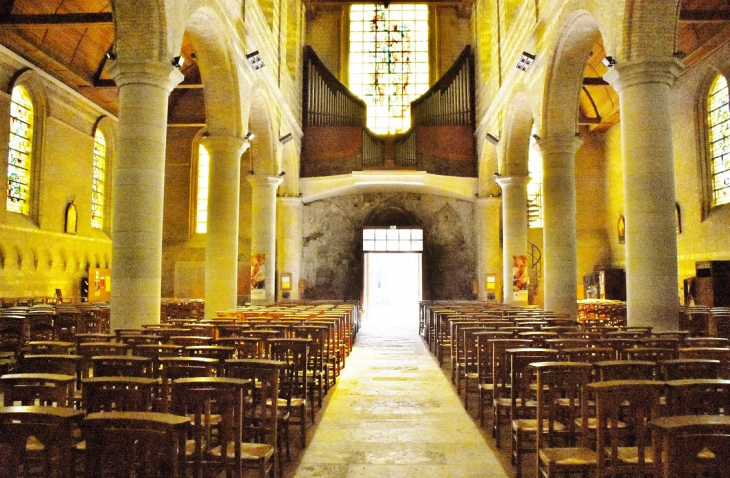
(70, 40)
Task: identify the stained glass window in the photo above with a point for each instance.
(388, 62)
(201, 222)
(19, 154)
(97, 187)
(718, 125)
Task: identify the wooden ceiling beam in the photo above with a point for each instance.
(65, 19)
(703, 16)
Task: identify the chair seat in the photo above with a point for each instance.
(249, 451)
(486, 386)
(569, 456)
(472, 375)
(630, 454)
(190, 447)
(593, 423)
(215, 419)
(530, 425)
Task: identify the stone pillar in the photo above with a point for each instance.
(221, 242)
(515, 263)
(139, 181)
(560, 263)
(652, 291)
(489, 255)
(289, 232)
(263, 237)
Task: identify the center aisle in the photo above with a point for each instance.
(393, 414)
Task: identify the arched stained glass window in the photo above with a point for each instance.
(97, 187)
(389, 62)
(534, 187)
(718, 125)
(20, 151)
(201, 221)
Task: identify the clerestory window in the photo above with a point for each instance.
(97, 187)
(718, 127)
(389, 65)
(201, 216)
(20, 151)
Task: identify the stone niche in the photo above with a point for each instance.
(332, 262)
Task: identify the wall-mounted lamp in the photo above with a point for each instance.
(525, 61)
(178, 61)
(255, 59)
(281, 174)
(497, 175)
(286, 138)
(249, 136)
(492, 139)
(535, 137)
(609, 62)
(110, 55)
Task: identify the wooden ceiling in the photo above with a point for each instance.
(70, 40)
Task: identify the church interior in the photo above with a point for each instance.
(533, 155)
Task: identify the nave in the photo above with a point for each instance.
(394, 413)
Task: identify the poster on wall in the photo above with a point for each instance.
(520, 277)
(258, 276)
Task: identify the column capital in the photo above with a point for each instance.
(557, 144)
(515, 180)
(149, 72)
(637, 72)
(260, 181)
(224, 144)
(289, 200)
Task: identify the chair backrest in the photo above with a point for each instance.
(701, 396)
(654, 354)
(632, 403)
(121, 394)
(173, 368)
(149, 443)
(295, 353)
(43, 389)
(501, 364)
(625, 370)
(12, 333)
(587, 354)
(53, 363)
(520, 379)
(561, 380)
(202, 397)
(121, 366)
(679, 369)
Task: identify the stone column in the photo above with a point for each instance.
(560, 264)
(652, 290)
(221, 242)
(289, 231)
(263, 237)
(514, 224)
(489, 254)
(139, 181)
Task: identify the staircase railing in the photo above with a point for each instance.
(535, 265)
(327, 102)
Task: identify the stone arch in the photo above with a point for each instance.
(47, 259)
(516, 137)
(649, 29)
(391, 215)
(262, 153)
(141, 29)
(220, 79)
(565, 74)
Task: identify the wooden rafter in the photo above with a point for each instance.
(65, 19)
(719, 15)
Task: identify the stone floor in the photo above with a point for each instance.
(395, 414)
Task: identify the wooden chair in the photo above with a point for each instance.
(556, 383)
(40, 325)
(47, 431)
(93, 349)
(262, 418)
(625, 450)
(710, 353)
(485, 369)
(691, 446)
(501, 382)
(625, 370)
(201, 399)
(121, 366)
(148, 444)
(698, 396)
(12, 333)
(523, 406)
(679, 369)
(156, 352)
(318, 371)
(44, 389)
(55, 364)
(50, 347)
(173, 368)
(121, 394)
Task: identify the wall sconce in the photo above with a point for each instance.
(249, 136)
(110, 55)
(178, 61)
(609, 62)
(255, 59)
(497, 175)
(525, 61)
(286, 138)
(282, 174)
(492, 139)
(535, 137)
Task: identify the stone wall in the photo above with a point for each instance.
(332, 264)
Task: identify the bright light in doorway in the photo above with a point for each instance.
(392, 240)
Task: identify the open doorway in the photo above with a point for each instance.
(393, 286)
